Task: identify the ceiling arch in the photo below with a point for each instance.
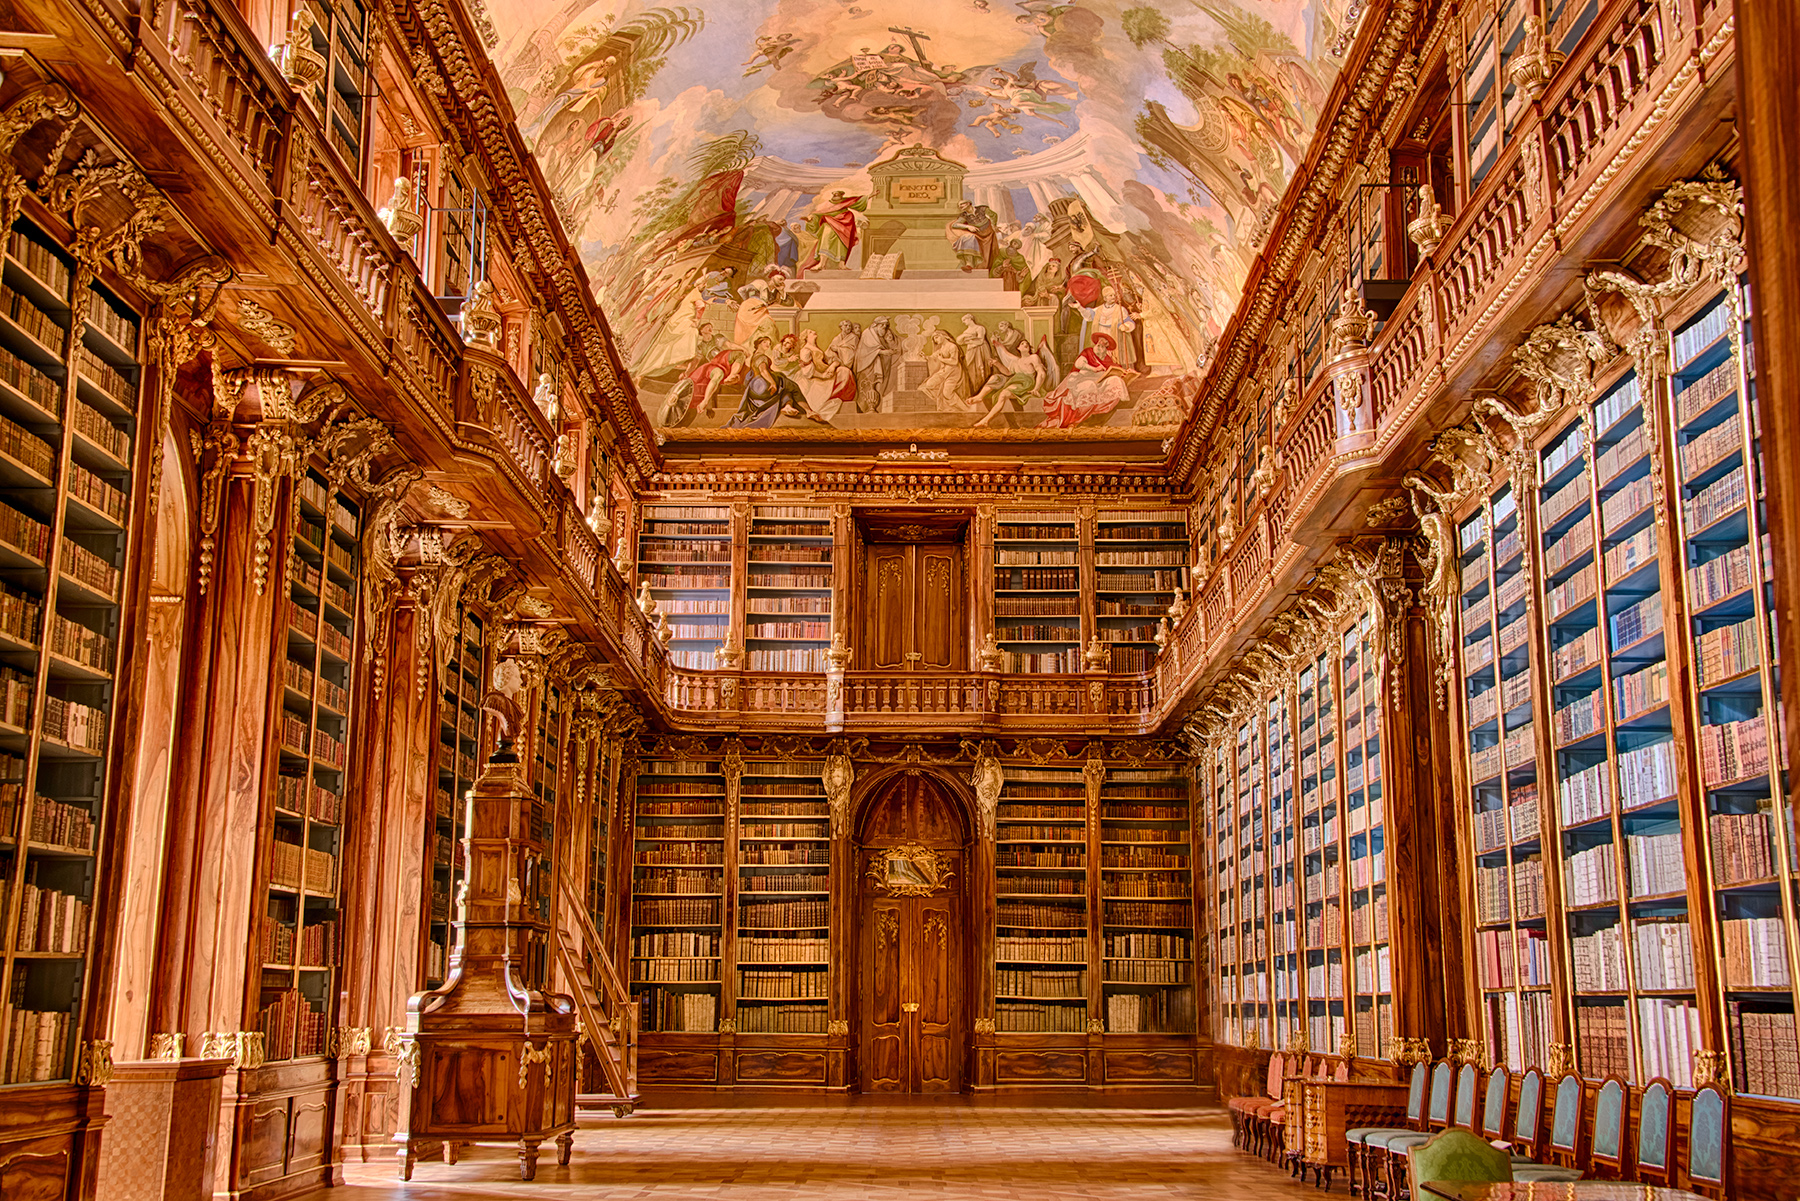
(976, 219)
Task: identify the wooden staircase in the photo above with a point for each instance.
(609, 1017)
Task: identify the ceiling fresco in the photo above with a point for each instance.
(809, 219)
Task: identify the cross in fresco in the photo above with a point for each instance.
(915, 37)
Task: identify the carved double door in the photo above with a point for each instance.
(910, 998)
(913, 607)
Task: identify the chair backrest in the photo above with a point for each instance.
(1493, 1108)
(1440, 1095)
(1277, 1074)
(1530, 1117)
(1455, 1154)
(1653, 1131)
(1465, 1097)
(1707, 1132)
(1342, 1071)
(1415, 1094)
(1565, 1116)
(1609, 1124)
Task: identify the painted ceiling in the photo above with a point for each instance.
(816, 219)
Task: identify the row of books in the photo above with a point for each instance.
(775, 915)
(679, 1011)
(1512, 958)
(1165, 1011)
(786, 629)
(74, 724)
(291, 1027)
(1669, 1031)
(1559, 599)
(820, 578)
(1630, 554)
(761, 829)
(1133, 659)
(676, 853)
(1035, 558)
(1141, 558)
(1729, 651)
(1117, 634)
(30, 381)
(85, 567)
(782, 1019)
(1010, 531)
(27, 448)
(112, 381)
(1755, 952)
(1149, 886)
(1735, 750)
(669, 912)
(1603, 1041)
(1141, 581)
(77, 642)
(787, 882)
(53, 823)
(1622, 454)
(766, 854)
(24, 534)
(1712, 447)
(762, 984)
(782, 948)
(1663, 950)
(1146, 945)
(1590, 877)
(1764, 1061)
(1742, 847)
(679, 882)
(1655, 864)
(1067, 984)
(291, 864)
(1024, 1017)
(1017, 949)
(1702, 332)
(100, 494)
(1026, 914)
(674, 971)
(46, 330)
(1635, 623)
(1519, 1028)
(1626, 503)
(1064, 885)
(677, 944)
(37, 1043)
(51, 920)
(40, 260)
(787, 659)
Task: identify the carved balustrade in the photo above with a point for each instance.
(237, 95)
(344, 229)
(1489, 234)
(1401, 348)
(1308, 449)
(426, 346)
(1601, 93)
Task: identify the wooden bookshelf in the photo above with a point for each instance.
(1038, 591)
(1140, 562)
(1321, 855)
(780, 940)
(790, 592)
(1366, 837)
(300, 918)
(458, 760)
(546, 780)
(685, 556)
(1042, 955)
(1146, 902)
(678, 895)
(69, 379)
(1511, 955)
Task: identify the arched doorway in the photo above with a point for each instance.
(912, 902)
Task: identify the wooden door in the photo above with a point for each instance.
(913, 607)
(910, 999)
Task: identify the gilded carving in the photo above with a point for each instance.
(1535, 61)
(93, 1063)
(910, 870)
(1427, 229)
(529, 1055)
(988, 778)
(276, 334)
(887, 928)
(166, 1045)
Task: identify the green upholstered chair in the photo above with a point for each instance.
(1607, 1153)
(1360, 1158)
(1388, 1153)
(1709, 1127)
(1565, 1136)
(1457, 1154)
(1655, 1113)
(1466, 1078)
(1493, 1112)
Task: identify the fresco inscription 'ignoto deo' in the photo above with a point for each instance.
(871, 216)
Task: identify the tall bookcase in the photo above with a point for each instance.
(1146, 900)
(678, 894)
(1283, 844)
(1041, 959)
(1512, 952)
(684, 555)
(69, 377)
(1140, 562)
(1038, 591)
(1365, 830)
(788, 618)
(300, 934)
(458, 759)
(1741, 759)
(781, 940)
(541, 825)
(1254, 1015)
(1321, 854)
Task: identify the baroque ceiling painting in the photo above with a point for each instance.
(973, 218)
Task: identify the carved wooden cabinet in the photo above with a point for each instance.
(490, 1057)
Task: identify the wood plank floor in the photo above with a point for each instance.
(861, 1151)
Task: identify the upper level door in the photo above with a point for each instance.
(913, 607)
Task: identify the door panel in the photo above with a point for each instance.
(882, 988)
(940, 607)
(939, 1055)
(913, 605)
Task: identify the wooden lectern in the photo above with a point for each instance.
(489, 1057)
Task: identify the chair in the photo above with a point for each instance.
(1456, 1154)
(1266, 1113)
(1388, 1169)
(1708, 1128)
(1565, 1137)
(1608, 1150)
(1242, 1131)
(1653, 1133)
(1465, 1097)
(1493, 1107)
(1359, 1157)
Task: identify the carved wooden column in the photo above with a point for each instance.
(381, 964)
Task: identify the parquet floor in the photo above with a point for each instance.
(863, 1151)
